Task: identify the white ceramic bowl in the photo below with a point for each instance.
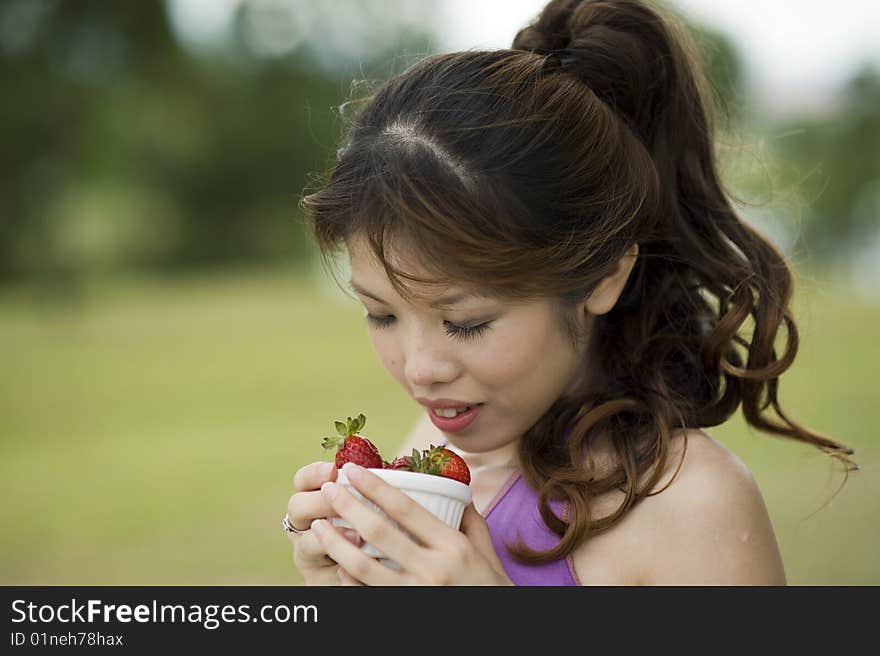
(444, 497)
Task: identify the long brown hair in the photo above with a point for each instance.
(528, 173)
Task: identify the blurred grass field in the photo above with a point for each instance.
(150, 430)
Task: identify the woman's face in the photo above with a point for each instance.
(515, 359)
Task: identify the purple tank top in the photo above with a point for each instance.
(513, 514)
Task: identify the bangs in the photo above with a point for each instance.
(421, 211)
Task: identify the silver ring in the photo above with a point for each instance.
(290, 528)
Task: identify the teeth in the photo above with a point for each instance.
(449, 413)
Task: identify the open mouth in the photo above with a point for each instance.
(452, 413)
(462, 418)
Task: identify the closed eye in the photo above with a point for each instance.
(460, 333)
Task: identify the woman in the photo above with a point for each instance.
(540, 234)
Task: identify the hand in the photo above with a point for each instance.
(439, 554)
(307, 504)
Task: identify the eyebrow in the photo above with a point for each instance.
(443, 301)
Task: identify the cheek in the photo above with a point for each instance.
(505, 358)
(527, 360)
(388, 354)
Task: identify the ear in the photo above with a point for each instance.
(605, 296)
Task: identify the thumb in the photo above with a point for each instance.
(474, 526)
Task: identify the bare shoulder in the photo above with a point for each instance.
(707, 522)
(694, 456)
(704, 523)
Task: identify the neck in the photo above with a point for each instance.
(504, 457)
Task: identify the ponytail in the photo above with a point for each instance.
(672, 348)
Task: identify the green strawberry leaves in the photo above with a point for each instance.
(344, 429)
(351, 426)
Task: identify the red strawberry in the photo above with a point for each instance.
(440, 461)
(351, 447)
(447, 463)
(403, 462)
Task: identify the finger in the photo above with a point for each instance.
(352, 536)
(308, 552)
(347, 579)
(474, 526)
(313, 476)
(375, 529)
(420, 523)
(325, 576)
(304, 507)
(354, 561)
(349, 534)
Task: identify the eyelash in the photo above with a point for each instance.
(460, 333)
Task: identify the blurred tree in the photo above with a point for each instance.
(122, 148)
(67, 68)
(834, 163)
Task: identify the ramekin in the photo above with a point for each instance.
(444, 497)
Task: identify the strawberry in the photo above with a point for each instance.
(447, 463)
(351, 447)
(403, 462)
(440, 461)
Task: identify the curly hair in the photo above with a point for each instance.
(527, 173)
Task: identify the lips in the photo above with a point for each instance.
(458, 423)
(445, 403)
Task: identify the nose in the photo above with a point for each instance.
(429, 359)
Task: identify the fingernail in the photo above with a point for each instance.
(353, 471)
(319, 526)
(329, 489)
